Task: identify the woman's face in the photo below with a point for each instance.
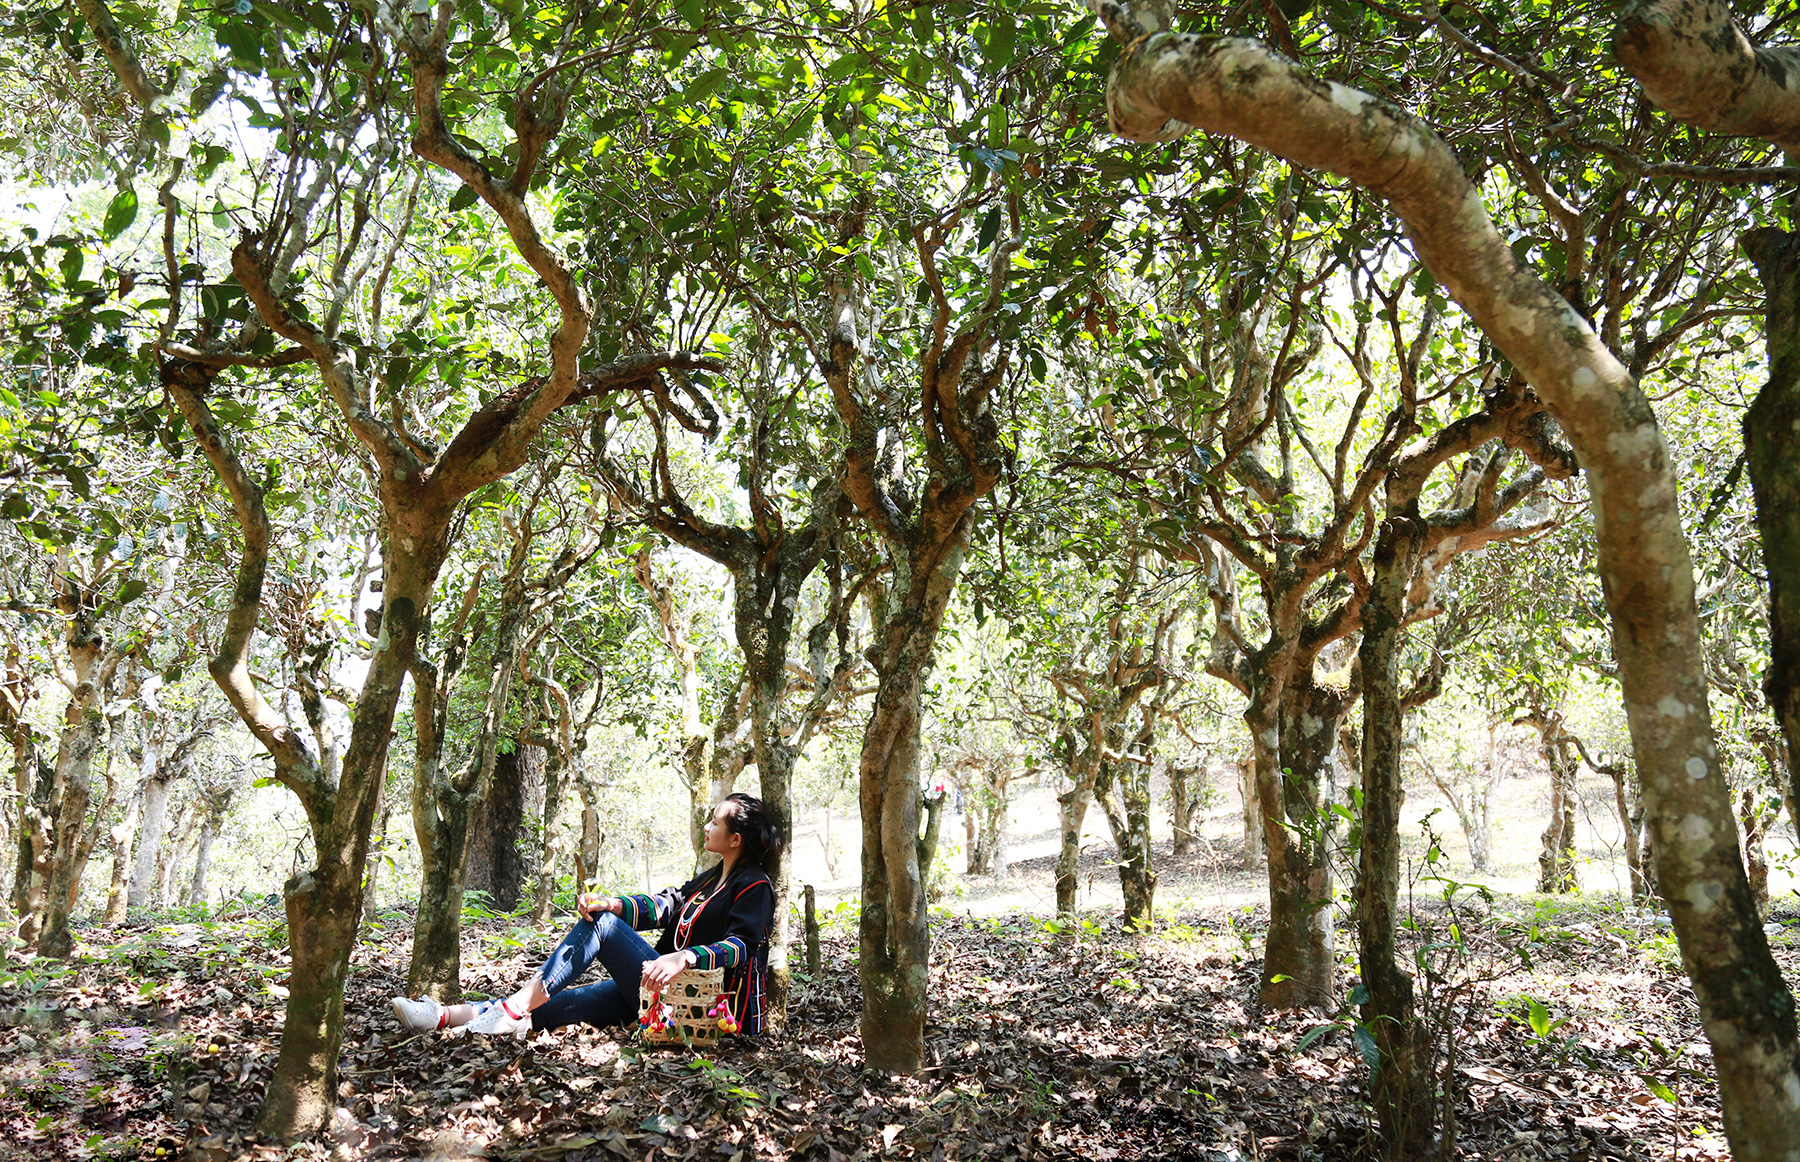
(720, 838)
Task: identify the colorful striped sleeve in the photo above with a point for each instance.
(641, 911)
(727, 953)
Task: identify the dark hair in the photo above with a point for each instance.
(749, 818)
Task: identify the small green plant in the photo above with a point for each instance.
(1537, 1018)
(1077, 926)
(1346, 1020)
(1246, 936)
(728, 1083)
(512, 939)
(476, 905)
(846, 915)
(1663, 948)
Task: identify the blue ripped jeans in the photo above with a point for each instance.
(615, 945)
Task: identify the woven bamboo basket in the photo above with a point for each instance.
(690, 994)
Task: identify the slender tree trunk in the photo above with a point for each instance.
(1123, 792)
(31, 787)
(436, 964)
(175, 853)
(1481, 802)
(895, 940)
(587, 852)
(1181, 808)
(993, 827)
(1403, 1083)
(151, 826)
(83, 725)
(1756, 855)
(1137, 874)
(976, 862)
(765, 600)
(447, 806)
(696, 767)
(1556, 859)
(377, 853)
(565, 765)
(32, 875)
(1251, 807)
(196, 893)
(324, 902)
(895, 945)
(1072, 807)
(775, 779)
(550, 837)
(813, 957)
(1629, 820)
(122, 833)
(1772, 454)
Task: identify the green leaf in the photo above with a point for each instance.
(131, 590)
(704, 85)
(1538, 1017)
(70, 265)
(1001, 34)
(1661, 1089)
(210, 159)
(120, 214)
(1365, 1042)
(1315, 1033)
(660, 1123)
(463, 198)
(990, 228)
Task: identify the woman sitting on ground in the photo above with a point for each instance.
(719, 919)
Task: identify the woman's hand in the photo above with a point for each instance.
(591, 904)
(659, 972)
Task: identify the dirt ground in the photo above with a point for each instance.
(1566, 1026)
(1569, 1031)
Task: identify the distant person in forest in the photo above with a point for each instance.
(719, 919)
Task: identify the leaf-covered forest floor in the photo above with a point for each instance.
(156, 1042)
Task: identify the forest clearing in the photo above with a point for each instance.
(1123, 579)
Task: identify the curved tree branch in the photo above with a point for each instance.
(1697, 65)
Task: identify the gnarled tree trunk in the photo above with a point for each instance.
(1403, 1085)
(93, 665)
(1071, 813)
(497, 859)
(1556, 857)
(1292, 778)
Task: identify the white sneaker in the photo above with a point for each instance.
(421, 1016)
(493, 1019)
